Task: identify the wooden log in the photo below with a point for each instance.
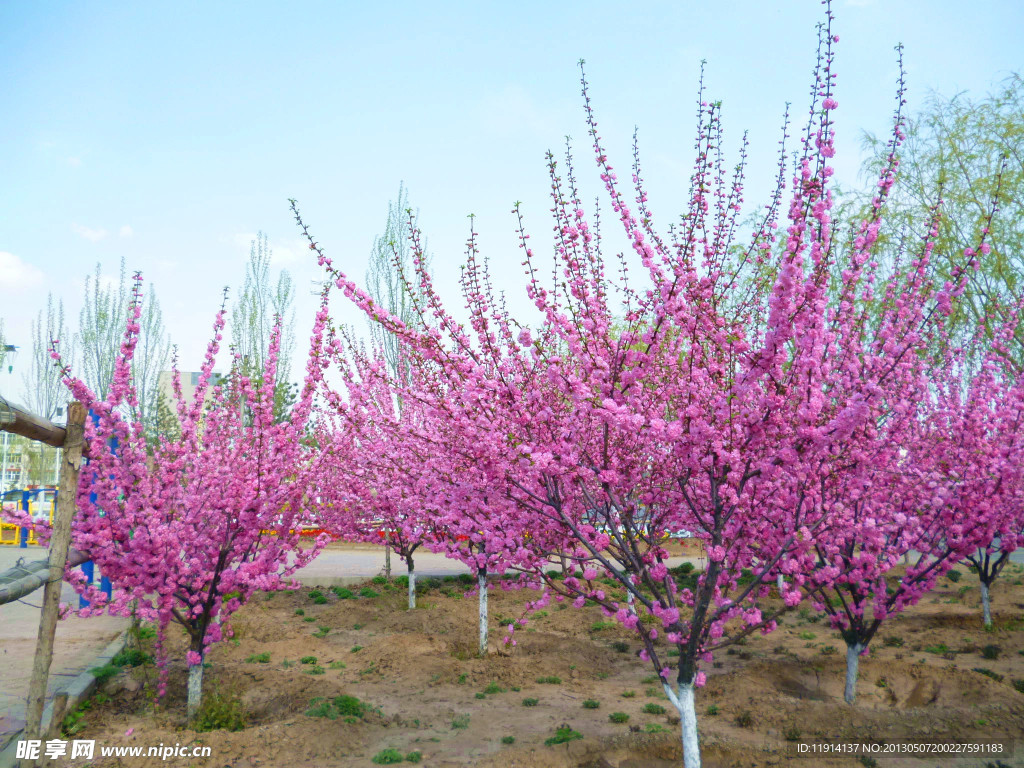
(32, 426)
(25, 579)
(60, 541)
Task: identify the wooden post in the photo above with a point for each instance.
(60, 541)
(60, 708)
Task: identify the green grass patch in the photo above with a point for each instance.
(562, 735)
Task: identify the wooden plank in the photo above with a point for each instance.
(60, 541)
(34, 427)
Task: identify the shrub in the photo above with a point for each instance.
(317, 597)
(220, 712)
(379, 580)
(939, 649)
(321, 631)
(654, 728)
(591, 704)
(461, 721)
(550, 680)
(343, 594)
(990, 652)
(628, 694)
(508, 739)
(623, 647)
(744, 719)
(893, 641)
(367, 592)
(300, 612)
(387, 757)
(258, 658)
(562, 735)
(349, 706)
(414, 757)
(131, 657)
(493, 688)
(104, 673)
(712, 710)
(307, 660)
(954, 576)
(530, 702)
(337, 665)
(1019, 686)
(316, 670)
(598, 626)
(479, 695)
(356, 649)
(829, 650)
(309, 619)
(618, 717)
(654, 709)
(791, 734)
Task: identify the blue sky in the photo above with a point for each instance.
(170, 133)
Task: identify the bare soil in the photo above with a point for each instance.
(418, 673)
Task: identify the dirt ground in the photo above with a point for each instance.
(425, 690)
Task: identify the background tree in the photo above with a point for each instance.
(971, 152)
(389, 280)
(100, 325)
(101, 322)
(259, 302)
(45, 394)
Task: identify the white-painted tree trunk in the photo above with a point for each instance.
(482, 584)
(852, 662)
(986, 606)
(412, 588)
(686, 706)
(780, 583)
(387, 562)
(195, 688)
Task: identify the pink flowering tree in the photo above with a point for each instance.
(367, 484)
(713, 396)
(977, 449)
(188, 534)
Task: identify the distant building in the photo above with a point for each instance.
(189, 383)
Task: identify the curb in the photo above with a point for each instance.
(77, 691)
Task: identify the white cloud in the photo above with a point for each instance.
(126, 231)
(16, 274)
(92, 235)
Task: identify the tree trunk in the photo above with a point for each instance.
(852, 662)
(412, 582)
(986, 606)
(780, 584)
(387, 562)
(195, 689)
(684, 703)
(482, 584)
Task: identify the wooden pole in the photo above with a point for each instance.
(60, 541)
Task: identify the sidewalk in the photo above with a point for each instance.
(75, 647)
